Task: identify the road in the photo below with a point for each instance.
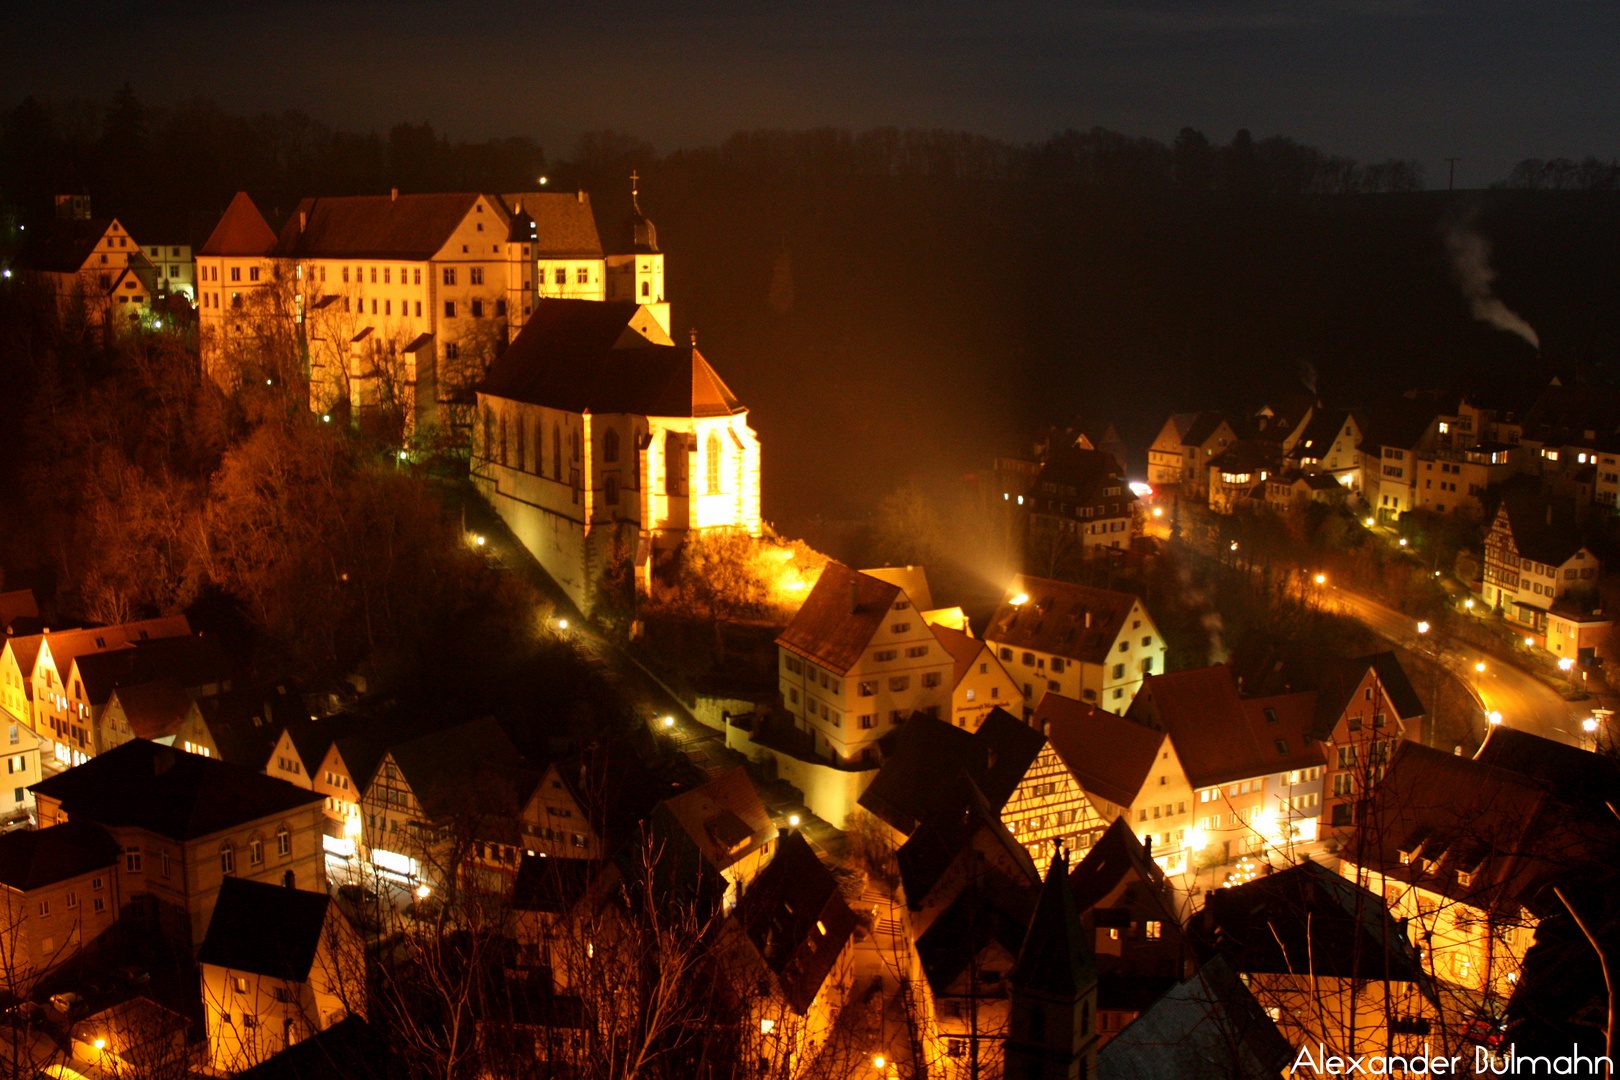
(1524, 701)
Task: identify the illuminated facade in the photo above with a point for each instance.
(597, 438)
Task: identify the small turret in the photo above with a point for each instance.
(1052, 1031)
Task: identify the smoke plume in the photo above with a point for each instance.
(1471, 262)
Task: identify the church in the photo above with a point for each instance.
(597, 437)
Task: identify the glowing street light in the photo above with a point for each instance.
(1480, 667)
(1158, 511)
(1233, 545)
(100, 1044)
(793, 819)
(1494, 717)
(1368, 523)
(423, 891)
(1589, 725)
(1403, 541)
(1469, 604)
(1566, 663)
(669, 721)
(1423, 628)
(562, 624)
(478, 540)
(878, 1061)
(1529, 642)
(1020, 600)
(1321, 579)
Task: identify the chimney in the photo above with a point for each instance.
(393, 194)
(303, 219)
(854, 597)
(1088, 620)
(579, 196)
(1147, 845)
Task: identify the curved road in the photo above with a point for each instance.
(1524, 701)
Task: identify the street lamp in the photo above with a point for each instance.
(669, 721)
(1469, 604)
(793, 819)
(1321, 579)
(1422, 627)
(1480, 667)
(1589, 725)
(1403, 541)
(1494, 717)
(562, 624)
(1368, 523)
(1565, 664)
(1529, 642)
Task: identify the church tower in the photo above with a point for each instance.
(635, 269)
(1052, 1033)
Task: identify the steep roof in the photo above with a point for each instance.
(1219, 736)
(32, 859)
(1450, 814)
(563, 225)
(1074, 621)
(1321, 433)
(838, 619)
(724, 818)
(942, 837)
(268, 930)
(1117, 854)
(1567, 772)
(584, 356)
(1307, 919)
(412, 227)
(913, 579)
(927, 762)
(154, 709)
(1338, 680)
(974, 921)
(241, 231)
(1107, 754)
(1201, 427)
(68, 645)
(1544, 530)
(170, 792)
(350, 1049)
(63, 246)
(797, 920)
(1210, 1027)
(445, 768)
(1056, 958)
(964, 649)
(1080, 475)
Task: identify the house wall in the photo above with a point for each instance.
(1350, 1017)
(1164, 812)
(829, 792)
(48, 926)
(1049, 805)
(16, 688)
(23, 769)
(987, 686)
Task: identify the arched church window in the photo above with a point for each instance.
(713, 452)
(646, 288)
(610, 445)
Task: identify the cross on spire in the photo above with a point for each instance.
(634, 181)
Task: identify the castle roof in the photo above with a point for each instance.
(584, 356)
(563, 226)
(413, 227)
(242, 230)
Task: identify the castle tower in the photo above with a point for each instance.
(635, 269)
(1052, 1032)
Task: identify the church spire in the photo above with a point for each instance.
(635, 181)
(1052, 1033)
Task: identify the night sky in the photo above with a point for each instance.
(1489, 81)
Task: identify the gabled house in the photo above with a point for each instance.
(447, 805)
(1181, 452)
(161, 712)
(61, 897)
(726, 826)
(980, 683)
(594, 429)
(1293, 489)
(185, 823)
(1254, 769)
(1093, 645)
(1536, 561)
(94, 269)
(1330, 445)
(193, 663)
(1133, 917)
(277, 965)
(1393, 438)
(1364, 708)
(61, 704)
(797, 938)
(1325, 958)
(929, 767)
(857, 661)
(135, 1037)
(235, 300)
(24, 768)
(340, 779)
(558, 817)
(1127, 771)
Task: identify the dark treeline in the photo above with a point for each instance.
(898, 305)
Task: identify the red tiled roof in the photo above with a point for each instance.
(826, 629)
(381, 226)
(154, 709)
(242, 230)
(1055, 619)
(1107, 754)
(63, 247)
(1220, 737)
(67, 645)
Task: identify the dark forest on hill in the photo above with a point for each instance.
(896, 305)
